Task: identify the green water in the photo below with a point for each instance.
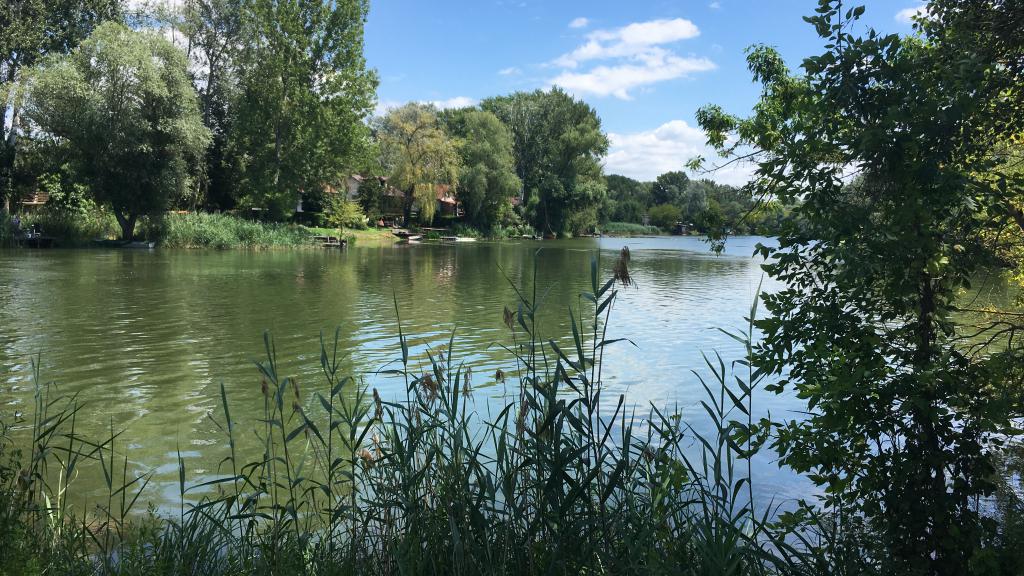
(144, 338)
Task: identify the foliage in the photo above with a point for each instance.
(704, 205)
(371, 198)
(558, 145)
(905, 414)
(298, 124)
(665, 216)
(212, 31)
(487, 178)
(628, 199)
(417, 154)
(344, 213)
(33, 29)
(670, 188)
(77, 227)
(123, 103)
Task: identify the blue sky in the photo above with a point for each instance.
(644, 65)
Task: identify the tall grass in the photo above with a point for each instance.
(629, 229)
(203, 230)
(564, 479)
(73, 227)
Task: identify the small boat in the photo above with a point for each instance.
(135, 245)
(458, 239)
(38, 241)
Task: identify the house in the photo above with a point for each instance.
(447, 203)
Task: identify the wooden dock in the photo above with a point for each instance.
(331, 241)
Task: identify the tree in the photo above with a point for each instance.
(628, 198)
(31, 30)
(905, 415)
(558, 145)
(629, 211)
(665, 216)
(487, 178)
(305, 91)
(344, 213)
(417, 154)
(212, 33)
(123, 103)
(371, 197)
(670, 188)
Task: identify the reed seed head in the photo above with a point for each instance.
(621, 268)
(509, 319)
(378, 405)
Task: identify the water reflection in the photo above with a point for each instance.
(146, 338)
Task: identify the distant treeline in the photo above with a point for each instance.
(674, 202)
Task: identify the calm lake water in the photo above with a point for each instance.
(145, 338)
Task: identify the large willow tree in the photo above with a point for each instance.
(417, 154)
(124, 107)
(890, 143)
(29, 31)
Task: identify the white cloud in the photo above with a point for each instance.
(580, 22)
(618, 80)
(628, 41)
(907, 15)
(645, 155)
(715, 5)
(385, 106)
(636, 57)
(510, 71)
(456, 102)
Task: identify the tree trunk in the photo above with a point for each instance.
(937, 510)
(127, 224)
(8, 150)
(409, 199)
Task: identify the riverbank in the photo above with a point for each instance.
(77, 229)
(185, 230)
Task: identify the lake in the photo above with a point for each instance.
(145, 338)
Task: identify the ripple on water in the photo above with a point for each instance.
(146, 338)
